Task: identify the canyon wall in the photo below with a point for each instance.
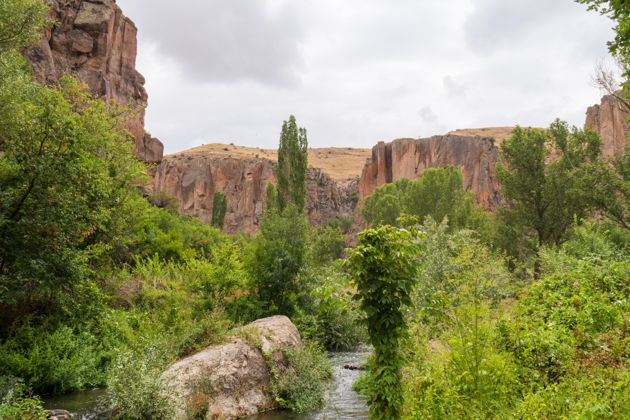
(93, 41)
(195, 179)
(610, 120)
(408, 158)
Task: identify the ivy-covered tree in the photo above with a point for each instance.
(219, 208)
(542, 180)
(383, 271)
(292, 165)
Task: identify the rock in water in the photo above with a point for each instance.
(232, 380)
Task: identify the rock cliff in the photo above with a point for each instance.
(408, 158)
(194, 178)
(610, 120)
(93, 41)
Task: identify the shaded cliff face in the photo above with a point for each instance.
(93, 41)
(408, 158)
(610, 120)
(194, 179)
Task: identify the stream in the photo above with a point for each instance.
(342, 401)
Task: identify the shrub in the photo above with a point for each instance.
(15, 404)
(301, 386)
(58, 360)
(135, 390)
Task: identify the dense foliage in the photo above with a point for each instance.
(383, 271)
(100, 286)
(438, 193)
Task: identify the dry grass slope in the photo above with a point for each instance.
(340, 163)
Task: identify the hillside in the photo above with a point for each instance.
(497, 133)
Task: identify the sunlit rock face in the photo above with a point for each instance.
(408, 158)
(93, 41)
(610, 120)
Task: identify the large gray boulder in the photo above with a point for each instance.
(232, 380)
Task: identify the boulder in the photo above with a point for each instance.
(232, 380)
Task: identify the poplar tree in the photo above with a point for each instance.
(292, 164)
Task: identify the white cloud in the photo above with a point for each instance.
(359, 71)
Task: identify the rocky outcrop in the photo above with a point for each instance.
(232, 380)
(330, 199)
(194, 178)
(408, 158)
(93, 41)
(610, 120)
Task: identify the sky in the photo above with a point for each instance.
(355, 72)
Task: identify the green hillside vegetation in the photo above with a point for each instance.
(522, 314)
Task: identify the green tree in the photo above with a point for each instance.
(383, 270)
(542, 180)
(619, 11)
(21, 22)
(438, 193)
(606, 186)
(66, 166)
(278, 256)
(292, 165)
(219, 208)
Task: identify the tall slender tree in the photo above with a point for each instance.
(292, 164)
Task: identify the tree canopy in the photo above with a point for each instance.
(438, 193)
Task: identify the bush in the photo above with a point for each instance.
(330, 316)
(301, 386)
(15, 404)
(134, 389)
(58, 360)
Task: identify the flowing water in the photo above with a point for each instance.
(342, 402)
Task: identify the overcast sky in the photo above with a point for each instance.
(355, 72)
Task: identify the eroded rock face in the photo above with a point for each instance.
(408, 158)
(194, 179)
(610, 120)
(94, 42)
(232, 380)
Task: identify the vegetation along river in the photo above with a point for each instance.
(342, 401)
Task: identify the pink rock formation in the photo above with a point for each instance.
(610, 120)
(194, 179)
(93, 41)
(408, 158)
